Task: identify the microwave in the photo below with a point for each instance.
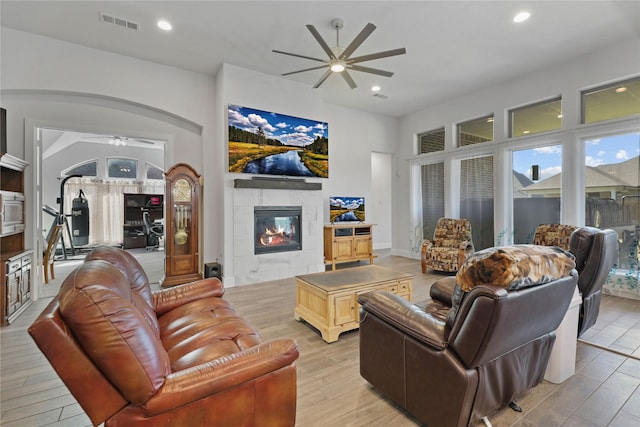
(12, 212)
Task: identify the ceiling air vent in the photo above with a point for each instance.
(381, 96)
(119, 22)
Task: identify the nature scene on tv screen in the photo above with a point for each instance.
(261, 142)
(346, 209)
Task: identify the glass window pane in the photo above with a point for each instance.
(536, 190)
(122, 168)
(85, 169)
(475, 131)
(430, 142)
(432, 177)
(154, 172)
(621, 99)
(536, 118)
(612, 180)
(476, 199)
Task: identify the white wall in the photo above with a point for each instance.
(59, 85)
(51, 83)
(353, 135)
(567, 79)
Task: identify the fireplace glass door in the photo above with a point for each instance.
(277, 229)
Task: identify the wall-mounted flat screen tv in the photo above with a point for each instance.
(346, 209)
(262, 142)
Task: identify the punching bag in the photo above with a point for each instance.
(80, 220)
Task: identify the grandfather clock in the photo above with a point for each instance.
(182, 204)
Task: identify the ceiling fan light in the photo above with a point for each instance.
(338, 66)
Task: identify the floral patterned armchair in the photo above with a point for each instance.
(554, 235)
(451, 245)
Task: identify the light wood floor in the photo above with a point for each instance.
(605, 391)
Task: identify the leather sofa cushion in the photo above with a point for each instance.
(96, 303)
(515, 267)
(135, 275)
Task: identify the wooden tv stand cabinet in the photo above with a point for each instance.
(347, 242)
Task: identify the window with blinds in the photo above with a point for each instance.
(430, 142)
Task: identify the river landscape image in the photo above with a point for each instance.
(262, 142)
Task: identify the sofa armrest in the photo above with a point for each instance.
(167, 299)
(466, 246)
(442, 290)
(404, 316)
(189, 385)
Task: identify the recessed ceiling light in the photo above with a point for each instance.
(526, 131)
(164, 25)
(375, 88)
(521, 17)
(621, 89)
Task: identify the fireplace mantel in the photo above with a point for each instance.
(277, 184)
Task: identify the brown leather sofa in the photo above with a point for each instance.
(453, 360)
(177, 357)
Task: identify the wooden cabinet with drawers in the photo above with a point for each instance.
(15, 261)
(348, 242)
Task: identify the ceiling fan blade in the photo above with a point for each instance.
(299, 56)
(306, 69)
(378, 55)
(371, 70)
(348, 79)
(322, 79)
(320, 40)
(366, 32)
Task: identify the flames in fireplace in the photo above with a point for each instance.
(277, 236)
(277, 229)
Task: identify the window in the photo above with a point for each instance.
(613, 101)
(475, 131)
(476, 199)
(153, 172)
(122, 168)
(541, 117)
(430, 142)
(89, 168)
(536, 190)
(612, 181)
(432, 180)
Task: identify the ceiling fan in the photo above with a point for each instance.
(340, 59)
(120, 141)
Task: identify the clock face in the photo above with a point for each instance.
(182, 191)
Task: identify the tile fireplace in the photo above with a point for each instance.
(277, 229)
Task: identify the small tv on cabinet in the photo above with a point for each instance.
(346, 209)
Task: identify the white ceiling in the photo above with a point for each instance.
(453, 47)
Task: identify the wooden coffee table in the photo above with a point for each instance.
(329, 301)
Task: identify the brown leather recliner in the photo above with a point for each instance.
(451, 365)
(176, 357)
(595, 251)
